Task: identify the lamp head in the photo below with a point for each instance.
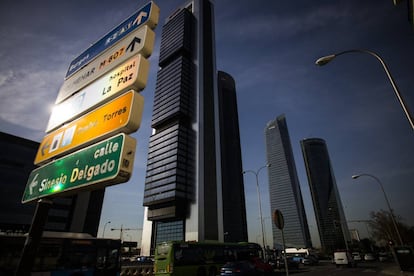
(324, 60)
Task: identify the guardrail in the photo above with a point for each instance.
(137, 270)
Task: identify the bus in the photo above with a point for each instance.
(300, 254)
(63, 253)
(203, 258)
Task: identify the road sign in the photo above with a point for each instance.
(106, 163)
(122, 114)
(147, 15)
(140, 41)
(278, 219)
(132, 74)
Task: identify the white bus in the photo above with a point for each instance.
(299, 254)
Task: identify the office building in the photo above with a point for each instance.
(183, 194)
(79, 213)
(330, 218)
(284, 189)
(234, 206)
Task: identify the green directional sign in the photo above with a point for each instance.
(105, 163)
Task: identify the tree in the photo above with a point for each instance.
(383, 230)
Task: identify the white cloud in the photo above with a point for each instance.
(6, 77)
(26, 100)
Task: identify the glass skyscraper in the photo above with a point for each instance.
(234, 205)
(193, 186)
(284, 190)
(330, 218)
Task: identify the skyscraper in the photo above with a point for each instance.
(284, 189)
(234, 206)
(330, 218)
(187, 154)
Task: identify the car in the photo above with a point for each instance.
(307, 261)
(280, 263)
(344, 258)
(238, 268)
(356, 256)
(260, 265)
(383, 256)
(369, 257)
(310, 260)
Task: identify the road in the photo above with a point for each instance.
(327, 269)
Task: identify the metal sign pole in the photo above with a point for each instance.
(284, 253)
(279, 221)
(33, 239)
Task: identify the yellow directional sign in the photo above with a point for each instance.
(122, 114)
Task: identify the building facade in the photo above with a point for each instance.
(329, 213)
(78, 213)
(184, 186)
(234, 204)
(284, 189)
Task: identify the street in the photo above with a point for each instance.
(364, 268)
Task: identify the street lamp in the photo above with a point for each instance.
(256, 173)
(326, 59)
(103, 234)
(386, 199)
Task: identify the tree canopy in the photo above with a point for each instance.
(383, 230)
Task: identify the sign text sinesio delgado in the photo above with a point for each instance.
(88, 172)
(109, 160)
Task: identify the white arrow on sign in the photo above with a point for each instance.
(33, 184)
(139, 17)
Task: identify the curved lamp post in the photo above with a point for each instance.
(386, 199)
(326, 59)
(103, 233)
(256, 173)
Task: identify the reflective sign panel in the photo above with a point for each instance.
(147, 15)
(106, 163)
(132, 74)
(140, 41)
(122, 114)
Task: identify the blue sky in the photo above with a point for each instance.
(269, 47)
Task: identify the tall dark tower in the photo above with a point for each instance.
(234, 207)
(183, 191)
(284, 189)
(329, 213)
